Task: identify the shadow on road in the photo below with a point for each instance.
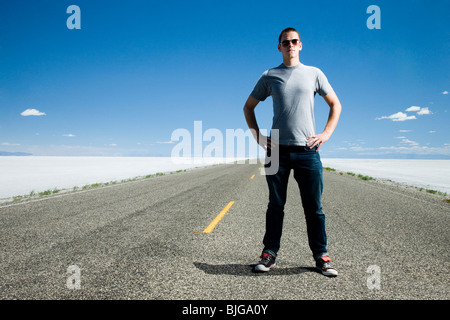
(248, 269)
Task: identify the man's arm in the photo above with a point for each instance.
(249, 112)
(335, 111)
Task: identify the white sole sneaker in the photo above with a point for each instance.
(263, 268)
(329, 272)
(324, 266)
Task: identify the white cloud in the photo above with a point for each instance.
(424, 111)
(357, 149)
(163, 142)
(422, 150)
(432, 131)
(68, 135)
(444, 92)
(403, 149)
(409, 142)
(32, 112)
(413, 108)
(404, 130)
(9, 144)
(399, 116)
(404, 140)
(419, 110)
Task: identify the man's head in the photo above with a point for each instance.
(287, 30)
(289, 43)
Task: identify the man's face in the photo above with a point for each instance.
(288, 46)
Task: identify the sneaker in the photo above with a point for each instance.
(267, 262)
(323, 264)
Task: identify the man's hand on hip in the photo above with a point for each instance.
(317, 140)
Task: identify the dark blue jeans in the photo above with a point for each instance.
(307, 169)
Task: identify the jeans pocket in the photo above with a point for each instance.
(306, 148)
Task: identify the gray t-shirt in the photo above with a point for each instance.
(292, 90)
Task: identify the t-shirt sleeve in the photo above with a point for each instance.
(323, 87)
(261, 90)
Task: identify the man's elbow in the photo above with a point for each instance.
(248, 108)
(245, 110)
(336, 106)
(333, 102)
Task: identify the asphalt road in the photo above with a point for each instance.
(145, 240)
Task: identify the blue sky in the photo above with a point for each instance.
(138, 70)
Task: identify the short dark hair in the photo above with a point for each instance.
(288, 30)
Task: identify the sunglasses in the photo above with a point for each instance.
(285, 43)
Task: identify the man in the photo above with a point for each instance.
(293, 86)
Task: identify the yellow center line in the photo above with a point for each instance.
(219, 217)
(252, 177)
